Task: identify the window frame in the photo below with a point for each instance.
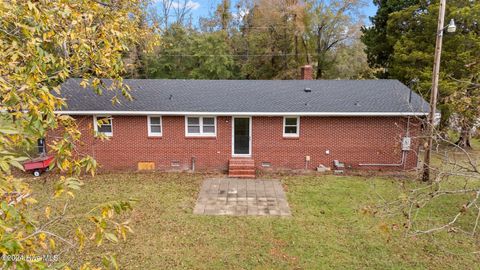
(149, 125)
(200, 122)
(291, 135)
(95, 125)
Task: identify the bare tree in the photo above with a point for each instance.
(455, 185)
(466, 104)
(182, 9)
(165, 9)
(331, 23)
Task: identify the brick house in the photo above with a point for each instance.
(250, 125)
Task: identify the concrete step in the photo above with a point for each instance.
(241, 161)
(241, 168)
(239, 165)
(242, 171)
(241, 176)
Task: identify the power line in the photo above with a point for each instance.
(234, 55)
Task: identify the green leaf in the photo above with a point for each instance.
(112, 237)
(4, 166)
(8, 131)
(16, 164)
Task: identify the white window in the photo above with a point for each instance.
(291, 126)
(103, 125)
(154, 126)
(200, 126)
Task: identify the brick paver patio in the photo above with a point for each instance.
(237, 197)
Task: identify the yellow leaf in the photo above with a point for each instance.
(30, 5)
(58, 192)
(104, 212)
(65, 164)
(42, 236)
(31, 200)
(52, 243)
(48, 210)
(81, 238)
(384, 227)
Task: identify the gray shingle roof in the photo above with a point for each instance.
(259, 96)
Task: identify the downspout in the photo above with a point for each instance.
(193, 164)
(404, 154)
(408, 134)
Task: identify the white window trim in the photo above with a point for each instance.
(201, 134)
(95, 125)
(290, 135)
(154, 134)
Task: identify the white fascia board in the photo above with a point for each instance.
(244, 113)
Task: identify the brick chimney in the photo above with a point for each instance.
(306, 72)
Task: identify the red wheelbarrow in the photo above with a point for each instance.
(38, 165)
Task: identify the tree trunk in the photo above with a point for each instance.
(307, 56)
(320, 66)
(285, 49)
(464, 140)
(140, 71)
(319, 72)
(319, 53)
(272, 61)
(296, 38)
(296, 48)
(139, 62)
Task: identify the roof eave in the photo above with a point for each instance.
(133, 113)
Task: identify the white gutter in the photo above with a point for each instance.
(243, 113)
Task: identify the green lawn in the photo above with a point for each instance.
(331, 227)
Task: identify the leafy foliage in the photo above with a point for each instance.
(42, 43)
(379, 49)
(186, 54)
(412, 31)
(331, 24)
(401, 44)
(267, 39)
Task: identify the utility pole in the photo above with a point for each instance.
(434, 93)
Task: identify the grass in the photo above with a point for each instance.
(333, 226)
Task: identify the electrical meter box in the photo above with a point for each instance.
(406, 142)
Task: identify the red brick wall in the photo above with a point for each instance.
(352, 140)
